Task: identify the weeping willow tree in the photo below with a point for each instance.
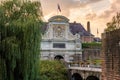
(20, 36)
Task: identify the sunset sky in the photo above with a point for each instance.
(98, 12)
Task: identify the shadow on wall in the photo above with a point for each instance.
(76, 76)
(92, 78)
(58, 57)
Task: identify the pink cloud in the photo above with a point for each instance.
(114, 8)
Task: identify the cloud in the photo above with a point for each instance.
(50, 6)
(92, 1)
(98, 12)
(90, 16)
(112, 10)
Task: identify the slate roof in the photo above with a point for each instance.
(97, 39)
(74, 28)
(78, 28)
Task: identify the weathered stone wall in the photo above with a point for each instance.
(91, 54)
(111, 55)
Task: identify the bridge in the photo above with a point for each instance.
(77, 72)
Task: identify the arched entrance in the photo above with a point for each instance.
(92, 78)
(76, 76)
(58, 57)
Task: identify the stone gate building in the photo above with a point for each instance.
(62, 40)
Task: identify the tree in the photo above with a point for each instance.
(52, 70)
(20, 30)
(115, 24)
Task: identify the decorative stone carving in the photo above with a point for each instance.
(58, 31)
(71, 36)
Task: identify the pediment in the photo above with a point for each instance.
(58, 18)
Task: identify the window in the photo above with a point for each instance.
(58, 45)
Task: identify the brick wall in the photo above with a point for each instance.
(87, 38)
(111, 55)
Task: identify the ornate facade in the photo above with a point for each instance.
(58, 42)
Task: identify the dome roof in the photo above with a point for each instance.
(58, 18)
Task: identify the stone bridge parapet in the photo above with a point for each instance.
(85, 73)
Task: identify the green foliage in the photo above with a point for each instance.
(91, 45)
(20, 40)
(52, 70)
(115, 24)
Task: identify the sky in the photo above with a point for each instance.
(98, 12)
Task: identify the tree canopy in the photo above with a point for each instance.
(20, 36)
(52, 70)
(114, 24)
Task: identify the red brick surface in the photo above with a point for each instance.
(111, 55)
